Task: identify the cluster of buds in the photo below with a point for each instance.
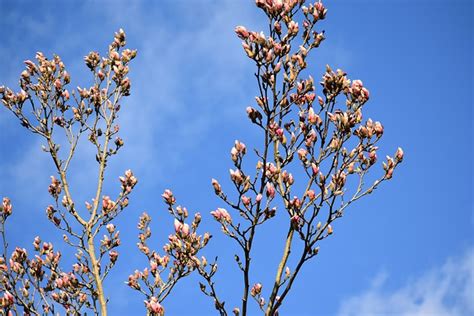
(277, 132)
(24, 273)
(179, 260)
(66, 280)
(287, 178)
(256, 289)
(51, 258)
(319, 138)
(297, 222)
(6, 208)
(369, 130)
(271, 171)
(92, 60)
(169, 197)
(221, 215)
(51, 78)
(113, 256)
(54, 188)
(254, 115)
(337, 183)
(109, 242)
(66, 201)
(108, 205)
(275, 8)
(266, 50)
(18, 259)
(358, 92)
(145, 233)
(314, 118)
(391, 163)
(7, 300)
(304, 91)
(44, 86)
(128, 181)
(316, 12)
(238, 151)
(11, 99)
(181, 229)
(334, 83)
(344, 121)
(239, 178)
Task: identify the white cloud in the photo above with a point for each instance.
(447, 290)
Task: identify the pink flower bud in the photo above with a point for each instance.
(242, 32)
(168, 197)
(177, 225)
(313, 118)
(270, 190)
(246, 200)
(8, 298)
(113, 256)
(399, 154)
(293, 28)
(154, 306)
(6, 208)
(65, 94)
(185, 229)
(258, 198)
(217, 186)
(221, 215)
(236, 176)
(57, 84)
(378, 129)
(256, 289)
(302, 154)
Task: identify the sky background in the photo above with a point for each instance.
(406, 250)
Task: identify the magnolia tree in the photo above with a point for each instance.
(315, 152)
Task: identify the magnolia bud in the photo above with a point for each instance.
(270, 191)
(217, 186)
(399, 154)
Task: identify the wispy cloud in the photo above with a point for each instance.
(447, 290)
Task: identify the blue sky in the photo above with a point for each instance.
(408, 249)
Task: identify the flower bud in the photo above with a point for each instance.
(168, 197)
(221, 215)
(6, 209)
(256, 289)
(330, 230)
(399, 154)
(113, 256)
(110, 228)
(242, 32)
(270, 191)
(217, 186)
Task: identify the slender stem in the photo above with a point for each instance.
(281, 267)
(96, 273)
